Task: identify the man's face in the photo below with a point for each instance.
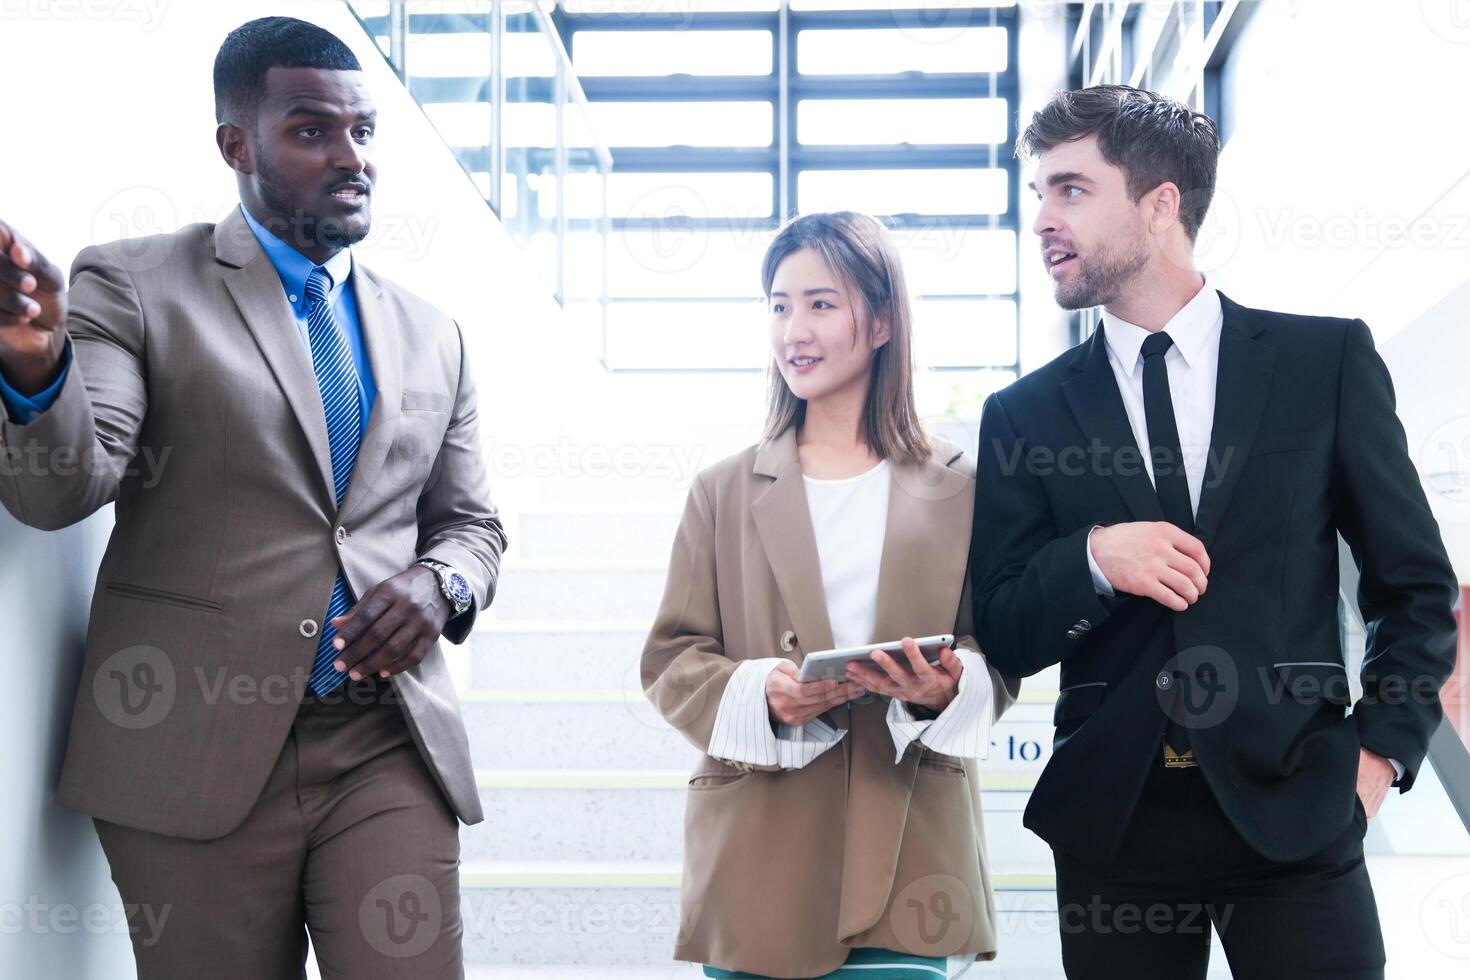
(1094, 238)
(311, 148)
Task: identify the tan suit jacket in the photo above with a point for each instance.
(785, 871)
(191, 402)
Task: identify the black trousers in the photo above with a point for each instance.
(1183, 868)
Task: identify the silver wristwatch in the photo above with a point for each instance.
(454, 586)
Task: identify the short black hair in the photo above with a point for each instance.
(1152, 137)
(255, 47)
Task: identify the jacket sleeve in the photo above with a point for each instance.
(1007, 687)
(459, 524)
(68, 462)
(1031, 586)
(684, 669)
(1406, 587)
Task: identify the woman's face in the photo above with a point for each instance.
(815, 335)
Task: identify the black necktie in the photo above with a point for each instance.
(1170, 481)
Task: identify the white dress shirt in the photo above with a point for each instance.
(849, 518)
(1193, 364)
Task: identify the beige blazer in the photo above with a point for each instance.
(785, 871)
(191, 402)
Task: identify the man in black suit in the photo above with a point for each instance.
(1157, 511)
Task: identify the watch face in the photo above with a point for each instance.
(459, 588)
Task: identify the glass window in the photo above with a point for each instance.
(695, 195)
(683, 123)
(965, 332)
(467, 54)
(524, 54)
(672, 52)
(947, 260)
(929, 6)
(903, 191)
(463, 123)
(687, 335)
(887, 121)
(635, 8)
(887, 51)
(682, 262)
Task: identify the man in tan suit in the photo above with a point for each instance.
(265, 731)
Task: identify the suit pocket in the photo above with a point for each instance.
(1313, 682)
(1078, 701)
(942, 765)
(426, 401)
(144, 593)
(712, 774)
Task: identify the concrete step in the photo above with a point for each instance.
(573, 590)
(623, 914)
(528, 654)
(619, 728)
(621, 536)
(638, 815)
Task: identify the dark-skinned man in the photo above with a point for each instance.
(265, 732)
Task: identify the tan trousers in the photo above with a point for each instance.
(351, 839)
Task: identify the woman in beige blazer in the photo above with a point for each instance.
(833, 828)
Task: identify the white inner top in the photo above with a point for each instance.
(849, 517)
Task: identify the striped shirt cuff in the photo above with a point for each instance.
(743, 731)
(962, 728)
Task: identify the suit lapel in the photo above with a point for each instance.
(921, 573)
(380, 329)
(784, 525)
(1092, 394)
(1241, 386)
(256, 289)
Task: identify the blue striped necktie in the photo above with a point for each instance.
(336, 376)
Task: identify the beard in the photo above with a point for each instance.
(1101, 278)
(304, 228)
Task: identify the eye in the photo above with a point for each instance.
(778, 307)
(310, 131)
(821, 303)
(1067, 191)
(365, 132)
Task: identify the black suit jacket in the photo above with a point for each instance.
(1306, 444)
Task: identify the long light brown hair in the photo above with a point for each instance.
(859, 250)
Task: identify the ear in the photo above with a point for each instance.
(1164, 209)
(234, 147)
(882, 332)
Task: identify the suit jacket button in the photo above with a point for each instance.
(308, 628)
(341, 534)
(1163, 681)
(1073, 634)
(1083, 625)
(788, 641)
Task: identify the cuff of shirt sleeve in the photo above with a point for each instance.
(1398, 771)
(24, 409)
(1100, 581)
(963, 727)
(743, 731)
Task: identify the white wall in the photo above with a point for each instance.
(1345, 190)
(110, 132)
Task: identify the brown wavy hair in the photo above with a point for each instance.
(859, 250)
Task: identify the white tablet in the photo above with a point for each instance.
(833, 663)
